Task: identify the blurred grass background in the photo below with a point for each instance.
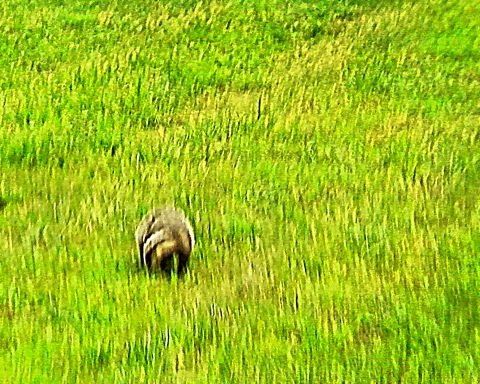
(326, 152)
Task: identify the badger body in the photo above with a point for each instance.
(163, 233)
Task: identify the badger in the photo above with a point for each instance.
(163, 233)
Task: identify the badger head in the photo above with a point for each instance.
(159, 246)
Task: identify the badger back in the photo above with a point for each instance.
(165, 224)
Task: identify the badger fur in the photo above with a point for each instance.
(163, 233)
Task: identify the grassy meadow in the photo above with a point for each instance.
(327, 153)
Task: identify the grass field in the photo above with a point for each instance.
(326, 152)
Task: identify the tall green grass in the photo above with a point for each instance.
(327, 153)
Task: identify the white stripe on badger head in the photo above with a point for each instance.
(152, 241)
